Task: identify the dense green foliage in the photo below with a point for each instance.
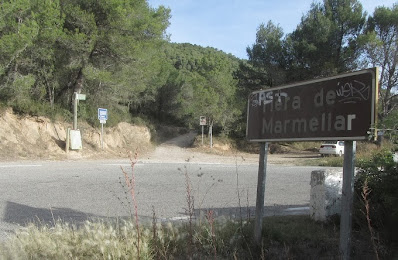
(380, 175)
(106, 49)
(117, 52)
(199, 82)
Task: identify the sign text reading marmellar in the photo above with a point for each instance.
(340, 107)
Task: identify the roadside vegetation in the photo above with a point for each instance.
(295, 237)
(218, 239)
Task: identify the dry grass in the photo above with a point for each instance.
(214, 238)
(284, 237)
(94, 240)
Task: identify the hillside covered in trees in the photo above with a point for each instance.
(117, 52)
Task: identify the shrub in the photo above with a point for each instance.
(381, 174)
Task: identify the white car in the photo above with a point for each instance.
(332, 148)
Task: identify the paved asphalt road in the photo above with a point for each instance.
(80, 190)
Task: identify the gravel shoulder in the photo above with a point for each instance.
(178, 150)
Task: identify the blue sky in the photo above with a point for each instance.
(230, 25)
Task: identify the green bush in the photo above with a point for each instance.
(34, 108)
(380, 174)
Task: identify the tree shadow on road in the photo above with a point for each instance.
(23, 215)
(20, 214)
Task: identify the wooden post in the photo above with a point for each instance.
(347, 199)
(75, 111)
(202, 135)
(67, 141)
(262, 173)
(211, 134)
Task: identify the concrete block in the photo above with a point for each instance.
(75, 140)
(326, 189)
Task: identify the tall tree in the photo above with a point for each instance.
(199, 82)
(52, 48)
(112, 49)
(326, 41)
(28, 30)
(381, 50)
(267, 53)
(265, 65)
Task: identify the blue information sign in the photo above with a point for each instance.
(102, 114)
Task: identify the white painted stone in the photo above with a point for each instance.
(325, 198)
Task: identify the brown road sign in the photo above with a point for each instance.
(335, 108)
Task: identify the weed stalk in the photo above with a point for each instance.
(365, 196)
(131, 187)
(190, 211)
(210, 219)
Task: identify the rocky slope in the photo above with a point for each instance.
(27, 137)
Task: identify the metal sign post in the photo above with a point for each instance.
(102, 133)
(102, 117)
(262, 173)
(347, 199)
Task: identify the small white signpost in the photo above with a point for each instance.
(102, 117)
(73, 137)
